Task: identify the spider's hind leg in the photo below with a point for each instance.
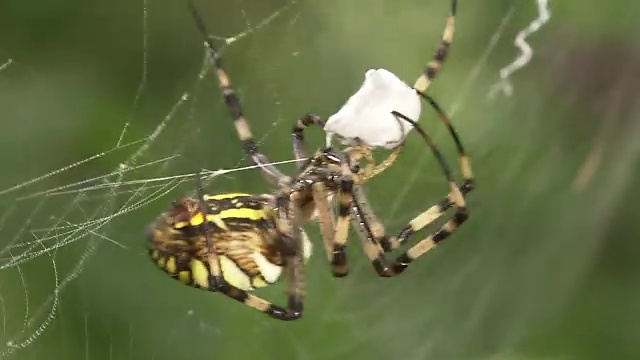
(290, 245)
(376, 243)
(468, 182)
(372, 234)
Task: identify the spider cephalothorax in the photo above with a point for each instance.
(234, 243)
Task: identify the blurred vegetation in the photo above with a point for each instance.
(546, 268)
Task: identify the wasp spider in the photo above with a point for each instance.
(234, 243)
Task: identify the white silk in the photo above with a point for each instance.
(367, 114)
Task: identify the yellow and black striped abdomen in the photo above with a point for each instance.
(242, 232)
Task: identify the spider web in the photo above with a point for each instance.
(74, 274)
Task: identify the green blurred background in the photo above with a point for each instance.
(546, 268)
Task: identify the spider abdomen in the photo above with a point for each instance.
(241, 230)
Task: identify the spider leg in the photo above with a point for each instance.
(324, 213)
(288, 222)
(235, 108)
(465, 164)
(216, 279)
(432, 68)
(297, 135)
(422, 84)
(345, 197)
(467, 185)
(335, 239)
(257, 302)
(375, 242)
(356, 152)
(334, 236)
(334, 231)
(372, 233)
(208, 274)
(210, 277)
(325, 216)
(372, 169)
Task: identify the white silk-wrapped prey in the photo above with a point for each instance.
(367, 114)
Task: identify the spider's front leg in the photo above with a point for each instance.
(345, 197)
(363, 151)
(333, 180)
(232, 102)
(336, 240)
(355, 153)
(297, 136)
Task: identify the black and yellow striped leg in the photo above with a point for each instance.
(371, 169)
(297, 135)
(208, 274)
(432, 68)
(375, 243)
(335, 232)
(457, 199)
(288, 224)
(467, 185)
(431, 241)
(371, 231)
(216, 278)
(422, 220)
(422, 84)
(259, 303)
(216, 283)
(293, 311)
(339, 263)
(290, 238)
(235, 108)
(325, 216)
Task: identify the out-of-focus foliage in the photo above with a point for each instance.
(546, 267)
